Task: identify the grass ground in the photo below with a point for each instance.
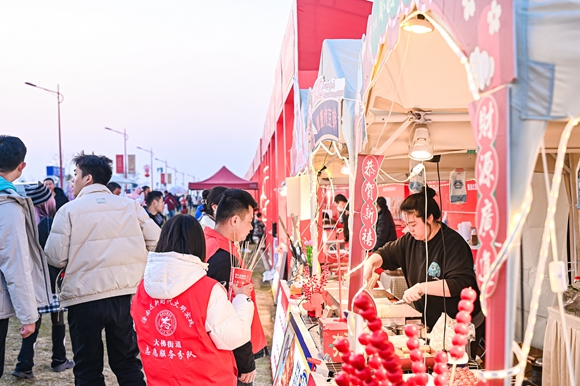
(44, 376)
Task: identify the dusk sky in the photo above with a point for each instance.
(190, 79)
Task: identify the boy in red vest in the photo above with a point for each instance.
(233, 221)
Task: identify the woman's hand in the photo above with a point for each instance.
(245, 290)
(414, 293)
(372, 263)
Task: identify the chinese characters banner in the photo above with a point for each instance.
(487, 173)
(364, 216)
(368, 170)
(489, 118)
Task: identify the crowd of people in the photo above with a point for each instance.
(157, 285)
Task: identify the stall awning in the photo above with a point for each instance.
(224, 177)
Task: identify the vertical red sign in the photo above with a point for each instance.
(120, 164)
(162, 178)
(369, 191)
(364, 215)
(489, 118)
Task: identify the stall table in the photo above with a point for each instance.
(555, 369)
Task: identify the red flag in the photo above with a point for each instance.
(120, 164)
(162, 178)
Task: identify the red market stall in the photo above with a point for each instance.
(448, 69)
(443, 74)
(224, 177)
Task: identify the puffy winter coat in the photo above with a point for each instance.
(101, 240)
(24, 279)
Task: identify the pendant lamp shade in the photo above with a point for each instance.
(421, 148)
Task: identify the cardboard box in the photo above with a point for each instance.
(331, 329)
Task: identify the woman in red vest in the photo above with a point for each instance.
(186, 327)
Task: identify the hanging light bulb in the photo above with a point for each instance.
(418, 25)
(421, 148)
(345, 169)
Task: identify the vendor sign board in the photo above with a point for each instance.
(280, 324)
(324, 110)
(293, 368)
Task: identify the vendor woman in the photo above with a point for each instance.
(449, 257)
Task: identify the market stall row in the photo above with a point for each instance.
(423, 94)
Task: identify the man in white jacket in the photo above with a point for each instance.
(101, 240)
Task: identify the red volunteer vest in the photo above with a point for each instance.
(215, 241)
(175, 347)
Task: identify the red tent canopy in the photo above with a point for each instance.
(224, 178)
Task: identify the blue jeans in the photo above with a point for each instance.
(171, 213)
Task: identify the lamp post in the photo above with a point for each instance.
(125, 138)
(60, 99)
(151, 153)
(166, 174)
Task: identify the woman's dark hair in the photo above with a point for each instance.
(234, 202)
(12, 153)
(58, 192)
(182, 234)
(214, 197)
(382, 203)
(415, 204)
(98, 166)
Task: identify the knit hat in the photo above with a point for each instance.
(39, 194)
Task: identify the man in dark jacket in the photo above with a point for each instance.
(233, 219)
(385, 225)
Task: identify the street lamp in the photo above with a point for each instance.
(151, 153)
(125, 138)
(60, 99)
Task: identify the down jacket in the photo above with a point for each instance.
(24, 279)
(101, 240)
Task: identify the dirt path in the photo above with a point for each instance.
(45, 377)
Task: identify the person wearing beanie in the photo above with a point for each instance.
(45, 208)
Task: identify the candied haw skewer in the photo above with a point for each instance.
(463, 317)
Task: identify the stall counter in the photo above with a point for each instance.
(295, 358)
